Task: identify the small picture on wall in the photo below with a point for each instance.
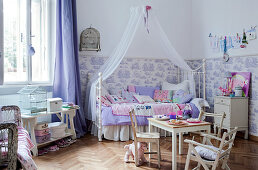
(241, 79)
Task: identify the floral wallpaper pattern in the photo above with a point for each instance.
(131, 71)
(215, 69)
(151, 72)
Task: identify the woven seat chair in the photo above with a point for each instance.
(10, 118)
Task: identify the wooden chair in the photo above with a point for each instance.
(207, 155)
(215, 116)
(144, 137)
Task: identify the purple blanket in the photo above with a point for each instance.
(108, 119)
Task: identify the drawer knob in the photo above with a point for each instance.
(221, 101)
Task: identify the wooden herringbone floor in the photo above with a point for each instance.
(88, 153)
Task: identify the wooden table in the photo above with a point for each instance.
(30, 121)
(190, 127)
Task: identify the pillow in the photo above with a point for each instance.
(143, 99)
(164, 96)
(117, 91)
(128, 96)
(131, 88)
(200, 103)
(206, 153)
(181, 97)
(115, 99)
(184, 86)
(146, 91)
(104, 101)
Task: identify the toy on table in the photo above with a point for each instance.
(228, 90)
(187, 114)
(131, 152)
(225, 92)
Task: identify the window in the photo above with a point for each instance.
(28, 41)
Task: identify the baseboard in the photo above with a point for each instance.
(253, 138)
(250, 137)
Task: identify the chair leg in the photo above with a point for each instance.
(158, 145)
(188, 159)
(227, 167)
(150, 150)
(136, 156)
(224, 164)
(199, 166)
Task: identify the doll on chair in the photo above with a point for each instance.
(131, 152)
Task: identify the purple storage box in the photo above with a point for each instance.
(42, 132)
(42, 139)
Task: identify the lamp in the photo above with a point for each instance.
(228, 75)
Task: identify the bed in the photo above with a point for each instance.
(113, 122)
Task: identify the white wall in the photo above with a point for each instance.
(110, 18)
(222, 17)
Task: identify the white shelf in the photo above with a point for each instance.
(53, 140)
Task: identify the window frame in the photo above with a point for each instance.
(50, 45)
(1, 43)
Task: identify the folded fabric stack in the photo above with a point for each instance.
(57, 129)
(42, 132)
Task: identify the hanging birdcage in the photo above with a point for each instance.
(32, 99)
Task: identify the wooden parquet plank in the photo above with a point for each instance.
(89, 154)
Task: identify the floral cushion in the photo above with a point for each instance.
(182, 96)
(128, 96)
(206, 153)
(164, 96)
(131, 88)
(104, 101)
(143, 99)
(115, 99)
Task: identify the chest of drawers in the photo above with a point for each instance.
(236, 110)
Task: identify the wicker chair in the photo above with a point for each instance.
(10, 118)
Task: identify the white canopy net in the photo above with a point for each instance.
(145, 25)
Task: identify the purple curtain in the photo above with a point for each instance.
(66, 72)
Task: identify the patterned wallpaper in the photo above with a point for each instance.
(151, 72)
(215, 77)
(131, 71)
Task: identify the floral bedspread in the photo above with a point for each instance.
(149, 109)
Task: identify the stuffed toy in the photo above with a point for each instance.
(131, 152)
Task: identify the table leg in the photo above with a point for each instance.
(174, 150)
(208, 131)
(180, 143)
(32, 122)
(150, 130)
(71, 116)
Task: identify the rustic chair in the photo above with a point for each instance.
(10, 118)
(215, 116)
(144, 137)
(208, 155)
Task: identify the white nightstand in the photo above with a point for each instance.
(236, 110)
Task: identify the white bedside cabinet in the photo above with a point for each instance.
(236, 110)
